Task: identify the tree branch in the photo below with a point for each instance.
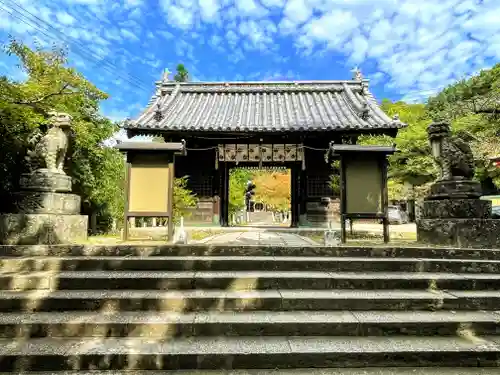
(33, 103)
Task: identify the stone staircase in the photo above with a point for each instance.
(249, 310)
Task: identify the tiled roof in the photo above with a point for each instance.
(263, 106)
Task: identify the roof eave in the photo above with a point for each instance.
(388, 127)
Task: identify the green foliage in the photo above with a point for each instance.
(184, 199)
(472, 106)
(479, 94)
(182, 75)
(238, 179)
(335, 178)
(50, 85)
(98, 172)
(412, 164)
(273, 189)
(158, 139)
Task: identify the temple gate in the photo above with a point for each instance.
(287, 124)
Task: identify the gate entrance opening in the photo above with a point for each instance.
(260, 197)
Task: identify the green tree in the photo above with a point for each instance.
(182, 75)
(273, 189)
(238, 179)
(412, 165)
(479, 95)
(97, 171)
(473, 107)
(184, 199)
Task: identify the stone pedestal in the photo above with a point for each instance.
(46, 213)
(455, 189)
(456, 209)
(44, 180)
(42, 202)
(459, 223)
(42, 229)
(478, 233)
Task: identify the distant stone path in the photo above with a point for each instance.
(259, 237)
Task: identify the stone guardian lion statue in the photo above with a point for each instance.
(453, 155)
(50, 151)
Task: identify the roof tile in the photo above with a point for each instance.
(264, 106)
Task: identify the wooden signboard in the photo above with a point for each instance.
(363, 186)
(150, 181)
(363, 175)
(149, 189)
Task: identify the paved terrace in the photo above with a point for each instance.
(259, 237)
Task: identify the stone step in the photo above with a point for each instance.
(242, 263)
(224, 300)
(220, 250)
(257, 323)
(309, 371)
(246, 353)
(245, 280)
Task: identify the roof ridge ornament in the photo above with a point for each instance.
(357, 75)
(158, 116)
(166, 73)
(364, 113)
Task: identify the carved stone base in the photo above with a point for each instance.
(320, 214)
(42, 229)
(45, 180)
(456, 209)
(34, 202)
(455, 189)
(476, 233)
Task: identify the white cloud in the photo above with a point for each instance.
(297, 11)
(136, 13)
(165, 34)
(414, 44)
(129, 35)
(333, 28)
(209, 9)
(65, 18)
(359, 47)
(250, 8)
(133, 3)
(411, 46)
(178, 16)
(273, 3)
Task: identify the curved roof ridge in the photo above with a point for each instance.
(353, 101)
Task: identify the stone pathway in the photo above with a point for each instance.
(259, 237)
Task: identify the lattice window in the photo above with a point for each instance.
(201, 185)
(319, 186)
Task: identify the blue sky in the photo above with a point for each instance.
(407, 48)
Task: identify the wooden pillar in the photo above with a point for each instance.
(385, 198)
(127, 195)
(303, 196)
(170, 223)
(216, 193)
(295, 196)
(343, 202)
(224, 199)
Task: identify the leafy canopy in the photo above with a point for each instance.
(97, 171)
(182, 75)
